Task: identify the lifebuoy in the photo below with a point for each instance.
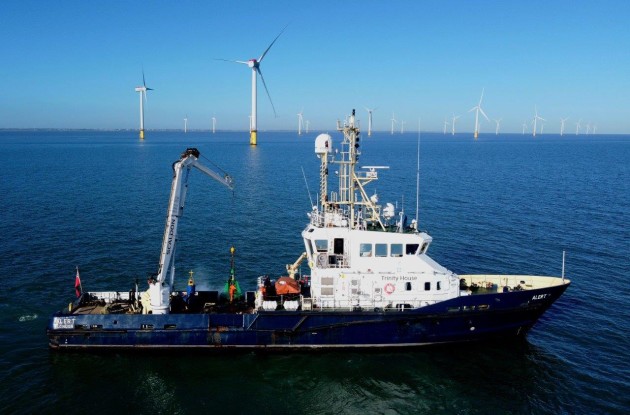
(389, 288)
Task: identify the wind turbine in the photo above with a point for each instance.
(393, 121)
(143, 98)
(300, 121)
(402, 127)
(524, 127)
(307, 124)
(588, 128)
(186, 124)
(496, 132)
(254, 64)
(562, 121)
(370, 110)
(578, 125)
(214, 124)
(536, 118)
(454, 119)
(477, 109)
(445, 125)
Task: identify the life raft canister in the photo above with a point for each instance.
(389, 288)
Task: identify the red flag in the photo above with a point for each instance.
(77, 284)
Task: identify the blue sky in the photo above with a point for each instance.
(74, 64)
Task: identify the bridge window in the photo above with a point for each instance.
(411, 249)
(396, 250)
(381, 250)
(439, 285)
(321, 245)
(424, 247)
(408, 286)
(427, 286)
(365, 250)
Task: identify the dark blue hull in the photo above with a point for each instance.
(467, 318)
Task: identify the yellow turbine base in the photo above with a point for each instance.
(252, 138)
(141, 134)
(476, 135)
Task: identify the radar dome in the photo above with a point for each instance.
(323, 144)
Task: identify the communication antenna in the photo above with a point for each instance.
(418, 179)
(307, 189)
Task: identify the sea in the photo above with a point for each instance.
(504, 204)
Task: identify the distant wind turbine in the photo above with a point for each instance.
(214, 124)
(402, 127)
(300, 121)
(588, 128)
(186, 124)
(445, 125)
(562, 121)
(307, 124)
(370, 111)
(536, 118)
(496, 132)
(254, 64)
(524, 127)
(455, 117)
(477, 108)
(143, 98)
(578, 125)
(393, 122)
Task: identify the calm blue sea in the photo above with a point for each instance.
(502, 204)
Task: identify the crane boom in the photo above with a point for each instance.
(160, 291)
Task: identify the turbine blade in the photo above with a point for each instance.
(143, 82)
(472, 109)
(274, 41)
(484, 114)
(262, 78)
(229, 60)
(481, 99)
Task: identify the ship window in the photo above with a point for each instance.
(427, 286)
(396, 250)
(439, 285)
(321, 245)
(410, 249)
(366, 250)
(408, 286)
(338, 248)
(424, 247)
(380, 250)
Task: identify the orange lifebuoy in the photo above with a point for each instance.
(389, 288)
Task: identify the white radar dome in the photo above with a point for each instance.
(323, 144)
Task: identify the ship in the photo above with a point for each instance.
(370, 283)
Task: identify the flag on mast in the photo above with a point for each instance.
(77, 284)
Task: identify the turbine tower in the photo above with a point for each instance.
(402, 127)
(496, 132)
(143, 98)
(254, 64)
(445, 125)
(536, 118)
(370, 110)
(578, 125)
(214, 124)
(186, 124)
(477, 109)
(393, 122)
(300, 121)
(454, 119)
(562, 121)
(524, 127)
(307, 124)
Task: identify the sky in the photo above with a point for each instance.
(75, 64)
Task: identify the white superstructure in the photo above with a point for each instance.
(362, 254)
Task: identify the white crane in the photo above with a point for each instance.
(143, 98)
(477, 108)
(160, 291)
(254, 64)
